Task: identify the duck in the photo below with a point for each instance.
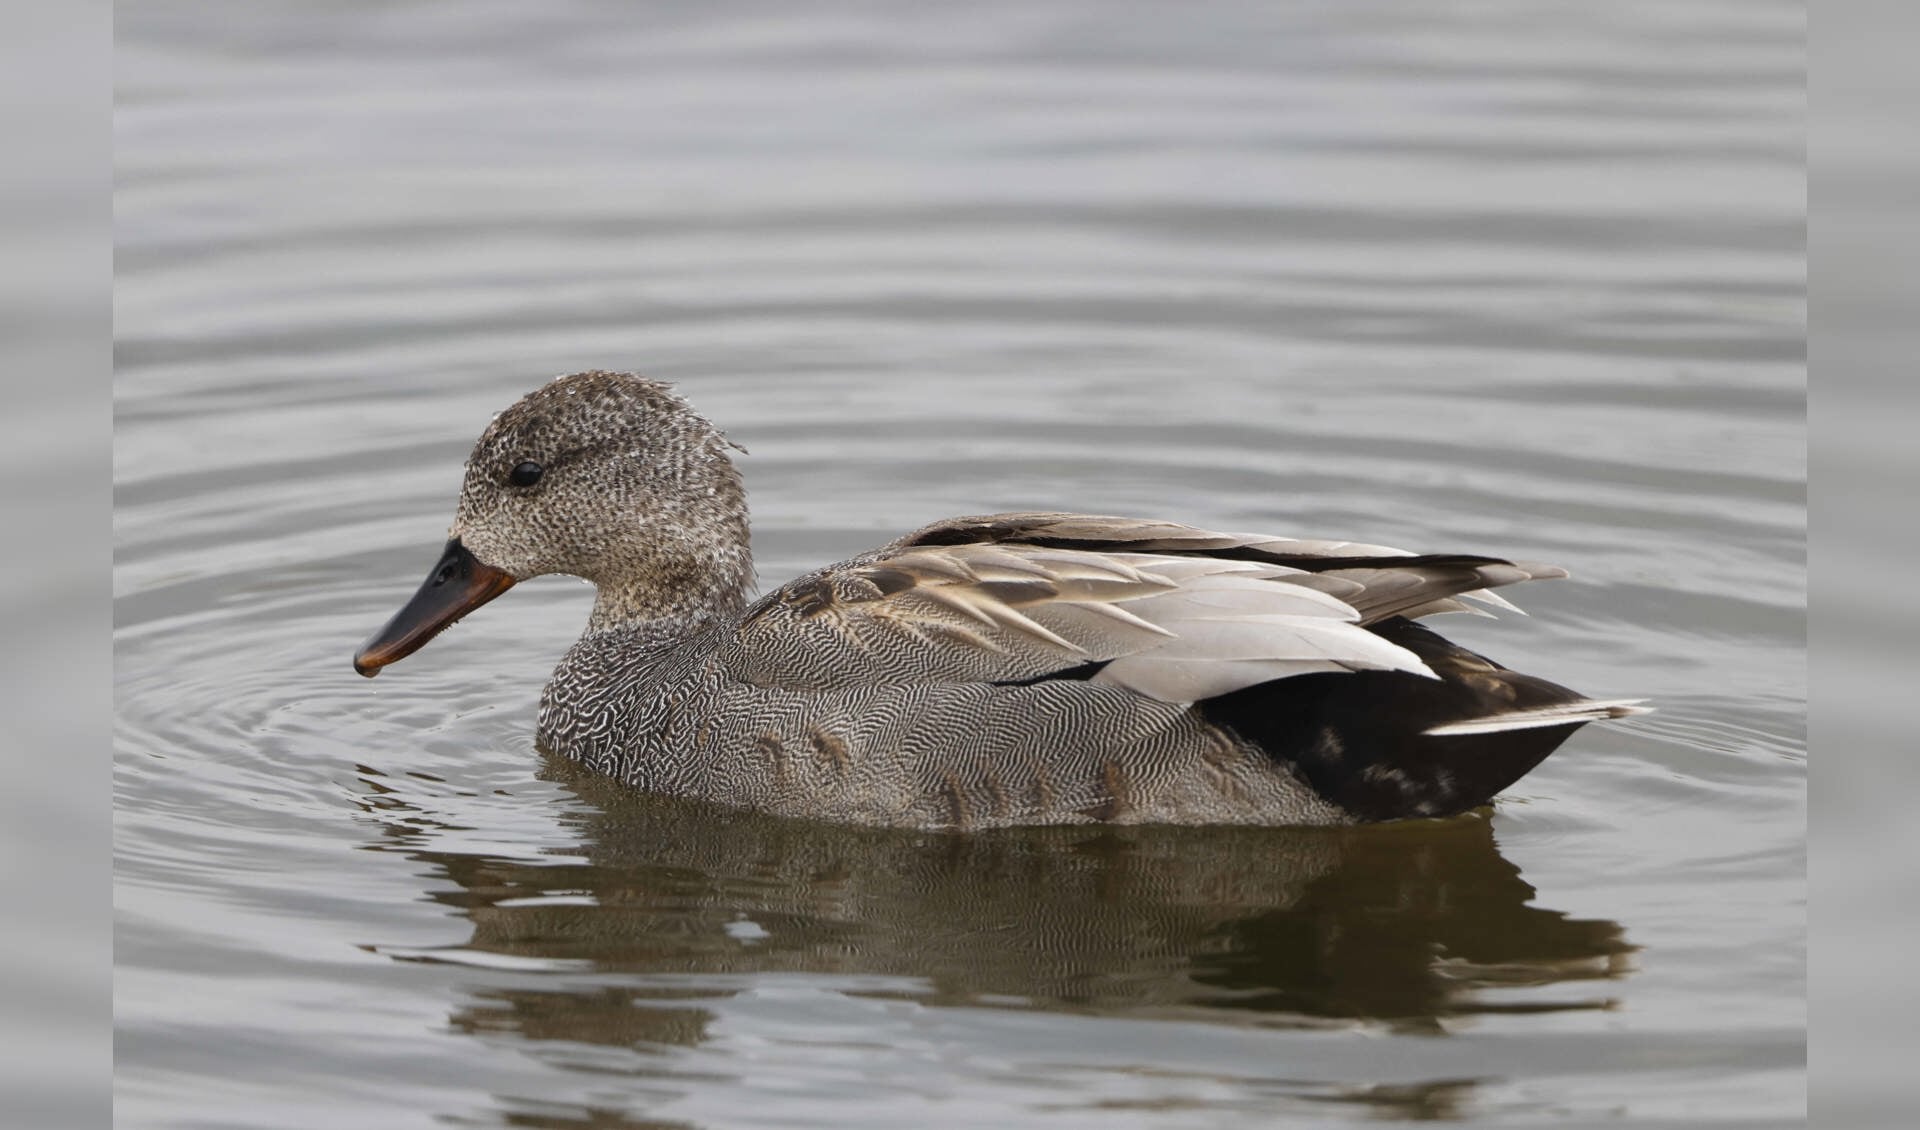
(982, 671)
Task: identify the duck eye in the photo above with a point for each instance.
(526, 474)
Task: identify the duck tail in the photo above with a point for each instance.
(1558, 714)
(1385, 745)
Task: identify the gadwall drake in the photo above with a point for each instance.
(1004, 669)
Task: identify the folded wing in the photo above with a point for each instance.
(1173, 612)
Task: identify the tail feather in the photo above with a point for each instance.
(1558, 714)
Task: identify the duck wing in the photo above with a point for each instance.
(1172, 612)
(1379, 587)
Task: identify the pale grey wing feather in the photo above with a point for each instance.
(963, 613)
(1424, 589)
(1242, 626)
(1382, 602)
(1140, 535)
(1011, 613)
(1017, 597)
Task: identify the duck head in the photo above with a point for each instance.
(606, 476)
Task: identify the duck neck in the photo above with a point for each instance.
(675, 590)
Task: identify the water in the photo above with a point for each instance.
(1497, 277)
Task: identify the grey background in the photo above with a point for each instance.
(55, 435)
(1865, 156)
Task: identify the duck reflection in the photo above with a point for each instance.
(1407, 923)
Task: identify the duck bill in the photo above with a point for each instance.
(459, 584)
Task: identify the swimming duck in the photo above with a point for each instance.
(983, 671)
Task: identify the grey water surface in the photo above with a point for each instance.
(1504, 277)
